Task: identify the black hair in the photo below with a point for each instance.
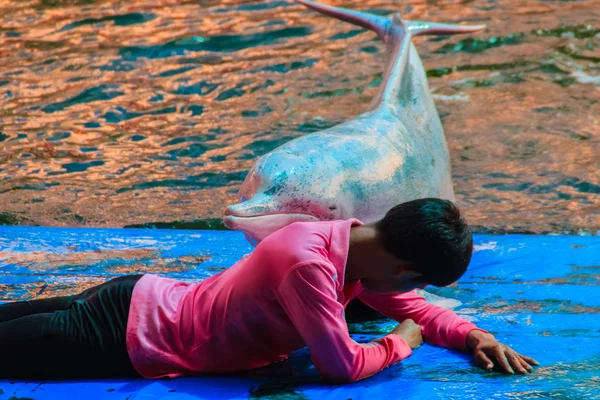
(430, 234)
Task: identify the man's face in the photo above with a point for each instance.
(401, 282)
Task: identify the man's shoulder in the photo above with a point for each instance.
(294, 245)
(300, 236)
(311, 276)
(309, 226)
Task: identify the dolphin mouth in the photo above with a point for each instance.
(234, 220)
(258, 227)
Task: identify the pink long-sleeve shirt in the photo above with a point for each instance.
(287, 294)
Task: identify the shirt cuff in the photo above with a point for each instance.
(460, 333)
(401, 348)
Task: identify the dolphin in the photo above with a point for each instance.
(392, 153)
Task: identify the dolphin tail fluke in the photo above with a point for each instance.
(418, 28)
(381, 25)
(372, 22)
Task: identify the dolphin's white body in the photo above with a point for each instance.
(393, 153)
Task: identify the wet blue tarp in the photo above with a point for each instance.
(538, 294)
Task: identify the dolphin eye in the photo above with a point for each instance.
(332, 208)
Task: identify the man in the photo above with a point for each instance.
(289, 293)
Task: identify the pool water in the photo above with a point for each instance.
(138, 113)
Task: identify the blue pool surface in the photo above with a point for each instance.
(538, 294)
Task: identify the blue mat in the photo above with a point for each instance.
(538, 294)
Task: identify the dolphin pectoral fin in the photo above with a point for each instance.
(444, 302)
(418, 28)
(372, 22)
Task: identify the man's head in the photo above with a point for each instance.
(418, 243)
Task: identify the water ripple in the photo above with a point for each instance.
(150, 113)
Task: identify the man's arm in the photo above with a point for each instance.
(444, 328)
(440, 326)
(309, 298)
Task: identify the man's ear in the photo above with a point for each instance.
(399, 269)
(404, 266)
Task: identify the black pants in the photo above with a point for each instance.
(68, 337)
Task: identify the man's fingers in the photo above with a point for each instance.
(483, 361)
(515, 361)
(529, 360)
(502, 360)
(524, 363)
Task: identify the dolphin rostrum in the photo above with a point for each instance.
(393, 153)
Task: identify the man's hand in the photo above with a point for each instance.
(410, 332)
(488, 350)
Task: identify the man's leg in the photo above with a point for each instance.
(35, 347)
(86, 340)
(18, 309)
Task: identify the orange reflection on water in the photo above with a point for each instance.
(113, 113)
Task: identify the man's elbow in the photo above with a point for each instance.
(340, 377)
